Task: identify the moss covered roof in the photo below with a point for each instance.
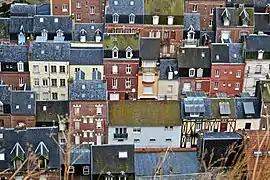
(164, 7)
(121, 41)
(250, 12)
(144, 113)
(215, 107)
(265, 89)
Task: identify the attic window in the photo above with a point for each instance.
(217, 57)
(203, 54)
(115, 18)
(17, 107)
(115, 2)
(122, 154)
(56, 20)
(115, 52)
(32, 96)
(131, 18)
(131, 3)
(260, 54)
(44, 108)
(2, 156)
(42, 52)
(257, 153)
(235, 55)
(1, 136)
(41, 19)
(200, 72)
(129, 53)
(29, 106)
(83, 86)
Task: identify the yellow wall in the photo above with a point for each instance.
(87, 69)
(141, 85)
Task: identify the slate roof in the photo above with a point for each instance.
(206, 115)
(94, 90)
(262, 22)
(44, 9)
(210, 35)
(57, 51)
(240, 107)
(144, 113)
(121, 41)
(64, 23)
(178, 162)
(246, 2)
(4, 27)
(192, 19)
(80, 155)
(192, 57)
(264, 87)
(106, 158)
(51, 110)
(152, 53)
(26, 100)
(221, 135)
(216, 108)
(236, 53)
(125, 8)
(30, 136)
(90, 28)
(164, 68)
(222, 50)
(86, 56)
(23, 9)
(5, 94)
(164, 8)
(13, 53)
(255, 43)
(16, 23)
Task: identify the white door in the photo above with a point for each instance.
(98, 139)
(114, 97)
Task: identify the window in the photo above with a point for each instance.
(217, 73)
(77, 139)
(21, 81)
(258, 69)
(171, 48)
(92, 21)
(238, 74)
(165, 35)
(78, 17)
(191, 72)
(212, 11)
(1, 136)
(136, 140)
(54, 96)
(129, 53)
(45, 82)
(148, 78)
(128, 83)
(62, 82)
(99, 109)
(248, 126)
(237, 86)
(77, 69)
(170, 89)
(258, 153)
(53, 69)
(217, 57)
(99, 124)
(226, 22)
(172, 35)
(151, 34)
(115, 52)
(215, 85)
(194, 114)
(41, 19)
(122, 155)
(29, 106)
(35, 68)
(136, 130)
(46, 68)
(152, 140)
(86, 170)
(78, 4)
(56, 20)
(77, 125)
(131, 19)
(115, 2)
(131, 3)
(260, 54)
(198, 85)
(114, 83)
(2, 156)
(115, 18)
(64, 8)
(200, 72)
(17, 107)
(92, 10)
(147, 90)
(62, 69)
(54, 82)
(195, 8)
(128, 69)
(114, 69)
(45, 95)
(168, 140)
(210, 23)
(158, 34)
(20, 66)
(36, 81)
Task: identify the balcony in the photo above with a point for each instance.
(120, 136)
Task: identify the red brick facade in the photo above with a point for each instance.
(11, 121)
(230, 79)
(85, 114)
(234, 32)
(60, 7)
(205, 83)
(121, 76)
(12, 78)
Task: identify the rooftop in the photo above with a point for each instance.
(9, 53)
(258, 42)
(167, 65)
(124, 7)
(216, 111)
(221, 135)
(86, 56)
(165, 7)
(152, 53)
(121, 41)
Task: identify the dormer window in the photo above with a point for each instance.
(226, 16)
(17, 155)
(83, 33)
(260, 54)
(98, 35)
(244, 17)
(42, 153)
(115, 18)
(59, 33)
(200, 72)
(226, 22)
(44, 33)
(170, 73)
(129, 53)
(170, 20)
(20, 66)
(191, 72)
(115, 2)
(131, 18)
(115, 52)
(155, 20)
(1, 108)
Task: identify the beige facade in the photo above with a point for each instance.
(168, 88)
(243, 123)
(49, 79)
(87, 69)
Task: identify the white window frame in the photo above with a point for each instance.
(114, 83)
(217, 72)
(115, 18)
(64, 8)
(99, 109)
(114, 69)
(78, 17)
(92, 9)
(77, 139)
(2, 156)
(85, 134)
(226, 22)
(86, 170)
(198, 85)
(36, 82)
(191, 72)
(129, 53)
(131, 18)
(210, 23)
(200, 72)
(260, 54)
(35, 68)
(195, 114)
(20, 66)
(151, 34)
(148, 93)
(158, 34)
(128, 83)
(77, 124)
(212, 11)
(21, 81)
(115, 50)
(78, 4)
(238, 74)
(172, 48)
(237, 86)
(216, 85)
(258, 69)
(99, 124)
(128, 69)
(195, 8)
(148, 78)
(170, 88)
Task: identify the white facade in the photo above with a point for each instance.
(255, 70)
(254, 124)
(168, 88)
(143, 137)
(49, 79)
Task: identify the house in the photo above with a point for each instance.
(233, 23)
(166, 164)
(121, 61)
(88, 111)
(123, 16)
(192, 29)
(112, 161)
(262, 23)
(80, 162)
(17, 107)
(148, 68)
(257, 60)
(48, 66)
(52, 27)
(194, 69)
(16, 146)
(13, 67)
(248, 112)
(206, 10)
(144, 123)
(227, 68)
(87, 33)
(168, 84)
(164, 20)
(23, 10)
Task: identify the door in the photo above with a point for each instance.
(114, 97)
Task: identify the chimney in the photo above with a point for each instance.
(170, 20)
(155, 20)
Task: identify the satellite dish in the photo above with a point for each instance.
(133, 90)
(175, 72)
